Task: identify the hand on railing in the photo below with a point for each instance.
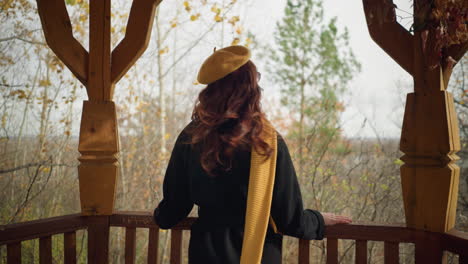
(333, 219)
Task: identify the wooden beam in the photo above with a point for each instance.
(361, 251)
(45, 250)
(136, 38)
(153, 243)
(98, 167)
(99, 83)
(130, 245)
(395, 40)
(14, 253)
(69, 247)
(430, 176)
(98, 239)
(59, 36)
(304, 256)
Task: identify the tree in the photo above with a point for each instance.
(312, 63)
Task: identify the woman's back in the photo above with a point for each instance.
(216, 237)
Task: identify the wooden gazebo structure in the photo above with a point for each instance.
(429, 139)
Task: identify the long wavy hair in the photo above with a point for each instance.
(227, 117)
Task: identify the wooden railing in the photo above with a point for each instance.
(98, 239)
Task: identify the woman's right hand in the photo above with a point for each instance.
(333, 219)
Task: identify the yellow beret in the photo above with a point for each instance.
(222, 62)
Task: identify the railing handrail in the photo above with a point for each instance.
(454, 240)
(42, 227)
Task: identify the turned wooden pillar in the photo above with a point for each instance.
(99, 70)
(430, 137)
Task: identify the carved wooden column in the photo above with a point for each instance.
(99, 70)
(429, 136)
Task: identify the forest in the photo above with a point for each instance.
(311, 62)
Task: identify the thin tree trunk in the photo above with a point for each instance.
(162, 101)
(301, 133)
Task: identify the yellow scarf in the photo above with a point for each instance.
(259, 196)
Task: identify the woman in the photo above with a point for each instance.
(210, 163)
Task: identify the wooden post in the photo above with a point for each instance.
(99, 71)
(429, 137)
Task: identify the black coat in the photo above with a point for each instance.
(216, 237)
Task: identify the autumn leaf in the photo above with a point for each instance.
(239, 30)
(215, 9)
(194, 17)
(218, 18)
(234, 20)
(164, 50)
(45, 82)
(187, 6)
(174, 23)
(235, 41)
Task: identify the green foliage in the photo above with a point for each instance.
(311, 53)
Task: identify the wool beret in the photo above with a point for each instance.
(222, 62)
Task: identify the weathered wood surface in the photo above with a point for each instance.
(98, 146)
(98, 239)
(14, 253)
(332, 250)
(99, 84)
(176, 246)
(153, 242)
(361, 251)
(137, 36)
(45, 250)
(98, 229)
(303, 254)
(130, 245)
(69, 247)
(391, 253)
(395, 40)
(59, 36)
(430, 137)
(43, 227)
(99, 70)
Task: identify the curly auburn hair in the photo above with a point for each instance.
(228, 117)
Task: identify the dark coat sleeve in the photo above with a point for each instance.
(287, 209)
(176, 203)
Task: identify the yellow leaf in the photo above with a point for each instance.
(167, 136)
(233, 20)
(194, 17)
(44, 83)
(239, 30)
(187, 6)
(215, 9)
(165, 50)
(235, 41)
(218, 18)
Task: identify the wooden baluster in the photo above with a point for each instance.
(14, 253)
(98, 239)
(153, 242)
(176, 246)
(361, 251)
(303, 257)
(463, 259)
(130, 245)
(69, 247)
(332, 251)
(45, 250)
(391, 253)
